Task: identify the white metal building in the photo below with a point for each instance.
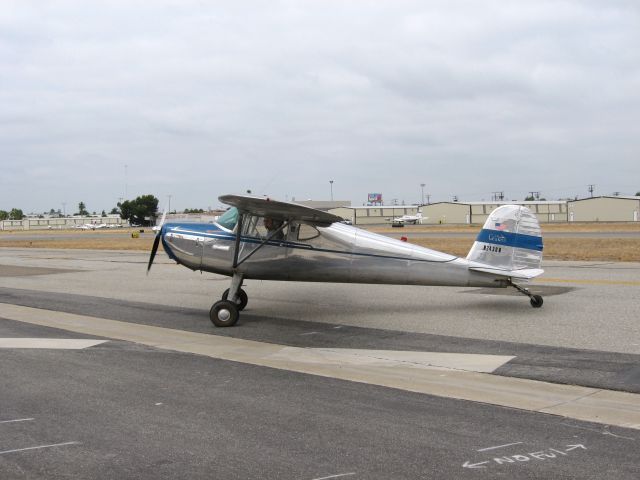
(478, 212)
(376, 214)
(59, 223)
(604, 209)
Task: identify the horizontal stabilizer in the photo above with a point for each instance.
(524, 273)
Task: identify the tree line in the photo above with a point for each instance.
(142, 211)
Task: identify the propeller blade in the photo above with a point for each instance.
(156, 241)
(154, 249)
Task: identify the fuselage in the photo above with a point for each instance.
(313, 253)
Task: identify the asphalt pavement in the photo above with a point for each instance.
(126, 409)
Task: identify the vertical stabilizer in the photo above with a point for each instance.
(511, 239)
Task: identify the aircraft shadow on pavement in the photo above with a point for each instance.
(545, 290)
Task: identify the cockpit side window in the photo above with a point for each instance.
(264, 227)
(229, 219)
(307, 232)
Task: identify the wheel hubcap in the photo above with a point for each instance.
(224, 314)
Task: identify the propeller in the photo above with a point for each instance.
(156, 242)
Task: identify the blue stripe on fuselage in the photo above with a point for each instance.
(209, 230)
(509, 239)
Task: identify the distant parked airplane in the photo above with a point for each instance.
(91, 226)
(412, 219)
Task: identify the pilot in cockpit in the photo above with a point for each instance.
(273, 228)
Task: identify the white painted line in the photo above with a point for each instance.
(17, 420)
(499, 446)
(39, 447)
(336, 476)
(50, 343)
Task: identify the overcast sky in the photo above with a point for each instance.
(199, 99)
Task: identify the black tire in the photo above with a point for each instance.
(536, 301)
(242, 303)
(224, 313)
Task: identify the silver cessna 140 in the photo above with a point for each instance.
(260, 238)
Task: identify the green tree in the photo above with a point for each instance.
(82, 209)
(16, 214)
(3, 215)
(138, 210)
(637, 194)
(114, 211)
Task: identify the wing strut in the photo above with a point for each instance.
(236, 251)
(236, 261)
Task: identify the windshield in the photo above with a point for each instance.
(228, 219)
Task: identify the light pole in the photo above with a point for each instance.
(169, 207)
(422, 186)
(331, 184)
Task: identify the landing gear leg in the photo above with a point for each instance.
(225, 312)
(535, 300)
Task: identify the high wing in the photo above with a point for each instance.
(265, 207)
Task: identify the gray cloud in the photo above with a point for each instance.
(201, 99)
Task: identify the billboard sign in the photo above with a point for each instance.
(375, 198)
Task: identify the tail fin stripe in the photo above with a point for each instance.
(509, 239)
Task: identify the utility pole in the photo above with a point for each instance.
(498, 196)
(591, 189)
(331, 184)
(64, 209)
(169, 208)
(125, 181)
(422, 186)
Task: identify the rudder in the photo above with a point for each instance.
(510, 239)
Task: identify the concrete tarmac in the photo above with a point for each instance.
(588, 305)
(126, 409)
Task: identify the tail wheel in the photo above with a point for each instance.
(243, 299)
(536, 301)
(224, 313)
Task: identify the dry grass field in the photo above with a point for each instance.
(556, 248)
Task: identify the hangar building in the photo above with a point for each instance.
(604, 209)
(478, 212)
(449, 212)
(375, 215)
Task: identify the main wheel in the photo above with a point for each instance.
(224, 313)
(536, 301)
(242, 301)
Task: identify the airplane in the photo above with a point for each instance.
(91, 226)
(259, 238)
(412, 219)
